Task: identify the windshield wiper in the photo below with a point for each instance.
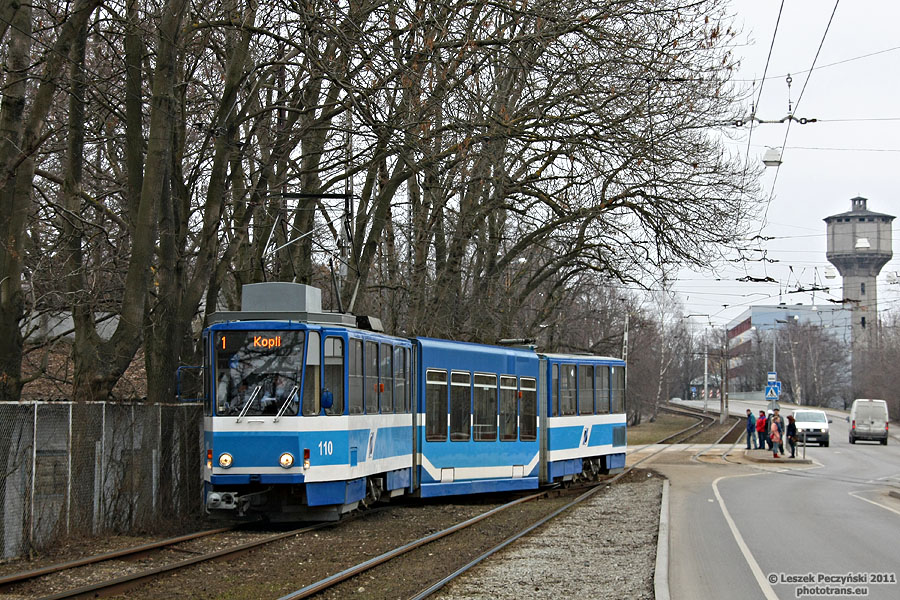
(249, 402)
(287, 402)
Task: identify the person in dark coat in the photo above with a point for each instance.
(751, 430)
(791, 433)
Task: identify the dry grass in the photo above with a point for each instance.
(666, 424)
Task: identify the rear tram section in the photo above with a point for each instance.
(309, 414)
(585, 416)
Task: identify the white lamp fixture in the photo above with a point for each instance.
(772, 157)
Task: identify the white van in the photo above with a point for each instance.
(869, 421)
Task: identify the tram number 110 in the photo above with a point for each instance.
(326, 448)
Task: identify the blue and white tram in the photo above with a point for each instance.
(307, 415)
(477, 422)
(304, 419)
(584, 426)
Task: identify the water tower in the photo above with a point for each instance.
(859, 245)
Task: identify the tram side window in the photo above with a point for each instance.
(371, 378)
(387, 379)
(555, 391)
(618, 390)
(485, 408)
(401, 383)
(334, 374)
(435, 406)
(528, 422)
(508, 408)
(585, 390)
(311, 381)
(567, 383)
(460, 406)
(356, 377)
(602, 405)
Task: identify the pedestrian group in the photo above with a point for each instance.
(771, 432)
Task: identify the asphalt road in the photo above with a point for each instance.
(764, 531)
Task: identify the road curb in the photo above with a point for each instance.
(661, 574)
(776, 461)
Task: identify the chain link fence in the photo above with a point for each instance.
(71, 469)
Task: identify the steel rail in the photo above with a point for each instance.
(435, 587)
(333, 580)
(427, 592)
(14, 578)
(690, 413)
(737, 422)
(126, 582)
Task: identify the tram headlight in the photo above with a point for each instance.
(225, 460)
(286, 460)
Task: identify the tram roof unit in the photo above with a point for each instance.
(284, 301)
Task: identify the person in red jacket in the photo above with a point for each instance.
(761, 429)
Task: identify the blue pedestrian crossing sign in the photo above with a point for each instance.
(773, 390)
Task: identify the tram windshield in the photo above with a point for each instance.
(258, 372)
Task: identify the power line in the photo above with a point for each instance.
(763, 80)
(840, 62)
(787, 131)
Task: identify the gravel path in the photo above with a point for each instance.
(605, 548)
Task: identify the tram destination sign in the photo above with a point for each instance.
(237, 340)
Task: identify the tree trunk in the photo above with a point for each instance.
(108, 360)
(13, 208)
(179, 299)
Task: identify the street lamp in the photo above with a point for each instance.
(796, 318)
(772, 157)
(775, 336)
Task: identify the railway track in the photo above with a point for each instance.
(728, 434)
(358, 571)
(8, 581)
(119, 585)
(703, 423)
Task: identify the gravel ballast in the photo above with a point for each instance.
(603, 548)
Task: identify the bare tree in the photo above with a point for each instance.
(508, 162)
(818, 366)
(596, 156)
(22, 132)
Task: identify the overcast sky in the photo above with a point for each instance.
(854, 149)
